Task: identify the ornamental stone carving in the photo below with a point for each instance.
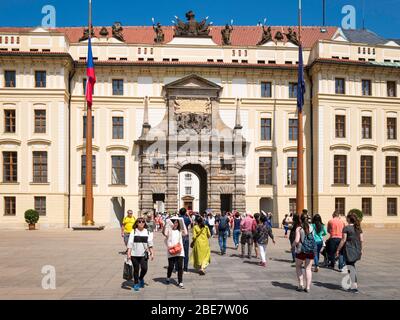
(192, 28)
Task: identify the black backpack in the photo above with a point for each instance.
(223, 224)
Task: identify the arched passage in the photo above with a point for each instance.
(198, 185)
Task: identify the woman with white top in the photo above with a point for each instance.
(140, 247)
(173, 232)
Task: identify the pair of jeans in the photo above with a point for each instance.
(139, 263)
(247, 238)
(175, 261)
(222, 235)
(317, 252)
(211, 230)
(185, 241)
(236, 235)
(333, 244)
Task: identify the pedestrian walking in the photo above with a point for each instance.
(319, 234)
(262, 233)
(247, 229)
(335, 230)
(222, 225)
(127, 227)
(285, 224)
(255, 223)
(211, 223)
(292, 235)
(185, 238)
(351, 244)
(304, 245)
(236, 229)
(140, 248)
(174, 231)
(201, 253)
(151, 226)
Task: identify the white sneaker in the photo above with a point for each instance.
(181, 286)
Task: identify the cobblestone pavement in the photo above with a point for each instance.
(89, 266)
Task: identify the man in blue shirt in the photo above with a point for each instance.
(185, 239)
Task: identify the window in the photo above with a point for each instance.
(188, 190)
(39, 166)
(158, 164)
(118, 127)
(366, 87)
(84, 127)
(265, 129)
(225, 165)
(391, 128)
(9, 121)
(84, 86)
(266, 89)
(9, 206)
(118, 169)
(83, 169)
(118, 87)
(340, 206)
(293, 129)
(366, 127)
(367, 170)
(40, 121)
(392, 206)
(40, 205)
(391, 170)
(340, 169)
(366, 205)
(292, 206)
(40, 79)
(265, 170)
(188, 177)
(339, 86)
(293, 90)
(391, 89)
(9, 166)
(292, 171)
(340, 126)
(9, 77)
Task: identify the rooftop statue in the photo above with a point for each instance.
(85, 35)
(266, 37)
(292, 37)
(159, 38)
(192, 28)
(227, 35)
(117, 31)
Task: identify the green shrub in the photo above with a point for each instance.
(358, 213)
(31, 216)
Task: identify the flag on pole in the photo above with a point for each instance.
(91, 76)
(301, 85)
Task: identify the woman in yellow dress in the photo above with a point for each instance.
(201, 252)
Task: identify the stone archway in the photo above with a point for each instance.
(201, 174)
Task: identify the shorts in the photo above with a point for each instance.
(303, 256)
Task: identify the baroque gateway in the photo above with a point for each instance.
(198, 116)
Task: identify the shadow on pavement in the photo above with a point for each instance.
(331, 286)
(283, 285)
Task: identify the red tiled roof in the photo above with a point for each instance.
(241, 36)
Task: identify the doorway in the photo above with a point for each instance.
(226, 202)
(192, 187)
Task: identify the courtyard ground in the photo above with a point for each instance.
(89, 265)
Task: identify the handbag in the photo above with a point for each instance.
(176, 249)
(194, 240)
(128, 271)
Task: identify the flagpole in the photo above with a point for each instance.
(300, 149)
(89, 151)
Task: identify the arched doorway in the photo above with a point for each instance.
(192, 187)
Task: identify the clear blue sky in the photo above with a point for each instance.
(381, 16)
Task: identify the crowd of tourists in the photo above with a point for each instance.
(187, 239)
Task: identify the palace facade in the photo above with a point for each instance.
(197, 116)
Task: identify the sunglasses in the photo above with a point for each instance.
(141, 221)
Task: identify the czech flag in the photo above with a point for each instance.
(301, 85)
(91, 76)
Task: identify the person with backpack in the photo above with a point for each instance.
(304, 244)
(351, 244)
(223, 228)
(262, 233)
(140, 247)
(236, 229)
(319, 234)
